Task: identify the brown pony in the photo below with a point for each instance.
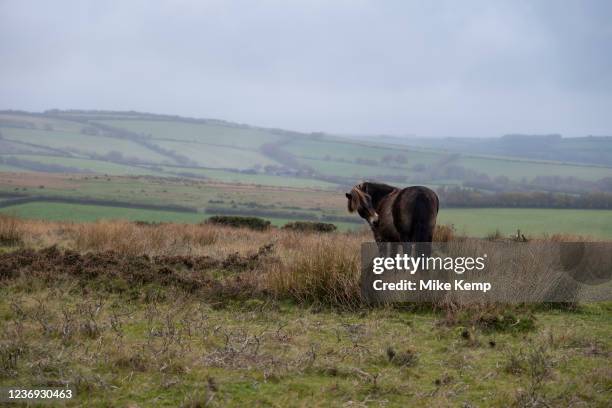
(396, 215)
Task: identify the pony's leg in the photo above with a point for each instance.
(406, 248)
(390, 249)
(382, 248)
(423, 248)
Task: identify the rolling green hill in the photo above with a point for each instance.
(133, 143)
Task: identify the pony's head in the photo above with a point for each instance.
(360, 201)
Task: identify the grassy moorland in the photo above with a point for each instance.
(198, 315)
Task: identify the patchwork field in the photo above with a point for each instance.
(81, 144)
(86, 165)
(215, 156)
(214, 134)
(244, 178)
(135, 143)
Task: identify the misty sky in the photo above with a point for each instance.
(429, 68)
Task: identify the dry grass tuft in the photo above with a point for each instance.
(444, 233)
(566, 238)
(313, 267)
(10, 231)
(325, 269)
(132, 239)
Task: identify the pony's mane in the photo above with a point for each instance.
(357, 198)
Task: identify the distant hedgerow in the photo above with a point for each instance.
(307, 226)
(253, 223)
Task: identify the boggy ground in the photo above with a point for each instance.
(184, 315)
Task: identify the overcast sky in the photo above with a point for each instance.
(429, 68)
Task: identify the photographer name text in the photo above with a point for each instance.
(431, 285)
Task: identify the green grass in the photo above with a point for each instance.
(482, 221)
(11, 146)
(96, 166)
(517, 169)
(217, 156)
(110, 168)
(11, 169)
(263, 179)
(313, 152)
(83, 144)
(85, 212)
(43, 123)
(201, 133)
(574, 150)
(347, 150)
(514, 169)
(178, 349)
(347, 169)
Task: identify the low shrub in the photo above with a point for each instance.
(407, 358)
(253, 223)
(309, 226)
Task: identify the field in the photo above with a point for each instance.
(243, 178)
(87, 212)
(81, 144)
(86, 165)
(278, 204)
(122, 143)
(203, 133)
(183, 315)
(479, 222)
(79, 213)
